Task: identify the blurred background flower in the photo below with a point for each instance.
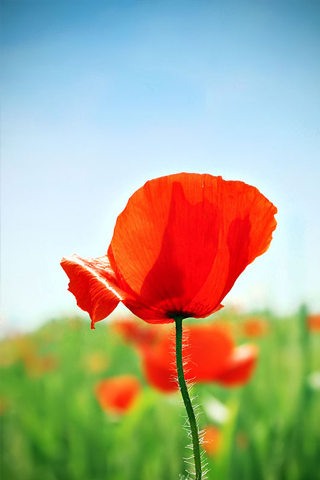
(255, 327)
(209, 352)
(117, 395)
(211, 439)
(313, 322)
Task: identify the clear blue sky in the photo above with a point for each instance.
(100, 96)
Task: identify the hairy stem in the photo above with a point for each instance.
(186, 399)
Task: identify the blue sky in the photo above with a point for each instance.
(100, 96)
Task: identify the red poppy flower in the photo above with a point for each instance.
(209, 356)
(117, 395)
(313, 322)
(255, 327)
(239, 366)
(211, 439)
(177, 249)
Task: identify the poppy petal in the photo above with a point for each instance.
(148, 313)
(159, 369)
(166, 241)
(247, 222)
(206, 351)
(93, 283)
(240, 366)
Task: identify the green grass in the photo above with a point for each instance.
(54, 429)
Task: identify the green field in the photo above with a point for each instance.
(53, 427)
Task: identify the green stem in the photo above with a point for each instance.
(186, 399)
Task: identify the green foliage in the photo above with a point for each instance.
(54, 429)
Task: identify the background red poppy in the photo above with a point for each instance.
(209, 353)
(117, 395)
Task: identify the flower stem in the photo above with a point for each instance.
(186, 399)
